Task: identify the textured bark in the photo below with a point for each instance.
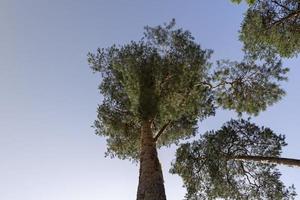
(151, 183)
(272, 160)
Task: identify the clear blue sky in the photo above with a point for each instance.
(49, 95)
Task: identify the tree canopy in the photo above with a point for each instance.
(167, 78)
(211, 167)
(157, 78)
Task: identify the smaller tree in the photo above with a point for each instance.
(236, 162)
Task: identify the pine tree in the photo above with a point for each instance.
(236, 162)
(156, 90)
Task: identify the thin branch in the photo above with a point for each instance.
(204, 83)
(223, 82)
(246, 173)
(280, 5)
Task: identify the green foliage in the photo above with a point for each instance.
(272, 25)
(247, 86)
(209, 172)
(166, 78)
(153, 79)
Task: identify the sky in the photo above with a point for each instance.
(49, 95)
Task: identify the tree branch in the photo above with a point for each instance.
(280, 21)
(280, 5)
(161, 131)
(266, 159)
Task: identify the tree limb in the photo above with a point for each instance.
(266, 159)
(280, 21)
(161, 131)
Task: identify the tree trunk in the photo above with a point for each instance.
(151, 183)
(274, 160)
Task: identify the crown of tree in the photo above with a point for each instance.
(167, 78)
